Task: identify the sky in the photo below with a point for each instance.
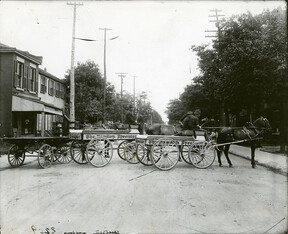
(153, 38)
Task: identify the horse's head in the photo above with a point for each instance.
(263, 124)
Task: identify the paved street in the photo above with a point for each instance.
(138, 199)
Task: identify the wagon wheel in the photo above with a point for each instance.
(63, 154)
(143, 154)
(184, 151)
(120, 149)
(202, 154)
(99, 152)
(78, 151)
(130, 153)
(45, 156)
(16, 156)
(165, 154)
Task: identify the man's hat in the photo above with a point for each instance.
(197, 112)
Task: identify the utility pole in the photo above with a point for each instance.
(121, 75)
(105, 78)
(217, 21)
(134, 101)
(72, 82)
(224, 118)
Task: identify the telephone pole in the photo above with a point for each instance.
(134, 100)
(105, 79)
(217, 21)
(72, 82)
(121, 75)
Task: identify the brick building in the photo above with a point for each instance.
(31, 99)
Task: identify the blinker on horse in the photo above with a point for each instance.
(253, 133)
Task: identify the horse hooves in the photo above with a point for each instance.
(253, 166)
(220, 165)
(230, 165)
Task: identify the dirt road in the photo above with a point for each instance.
(127, 198)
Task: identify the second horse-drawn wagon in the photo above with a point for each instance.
(96, 146)
(164, 151)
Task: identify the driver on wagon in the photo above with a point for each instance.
(190, 121)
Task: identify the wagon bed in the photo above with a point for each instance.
(47, 149)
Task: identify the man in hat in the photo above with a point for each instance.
(190, 122)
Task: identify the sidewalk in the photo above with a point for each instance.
(276, 162)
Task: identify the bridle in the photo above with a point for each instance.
(258, 130)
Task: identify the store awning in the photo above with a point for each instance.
(52, 110)
(21, 104)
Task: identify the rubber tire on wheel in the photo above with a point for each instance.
(99, 152)
(165, 154)
(63, 154)
(130, 153)
(202, 154)
(78, 151)
(143, 154)
(16, 156)
(120, 149)
(45, 156)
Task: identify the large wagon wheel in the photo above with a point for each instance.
(202, 154)
(16, 156)
(143, 154)
(130, 153)
(63, 154)
(184, 151)
(99, 152)
(165, 154)
(45, 156)
(120, 149)
(78, 151)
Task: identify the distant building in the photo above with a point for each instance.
(31, 99)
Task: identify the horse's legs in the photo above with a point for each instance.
(219, 152)
(226, 151)
(253, 147)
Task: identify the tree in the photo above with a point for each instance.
(246, 65)
(89, 91)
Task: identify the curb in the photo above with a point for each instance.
(270, 167)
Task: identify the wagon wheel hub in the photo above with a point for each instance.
(18, 154)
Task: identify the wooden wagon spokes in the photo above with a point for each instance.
(120, 149)
(16, 156)
(78, 151)
(202, 154)
(99, 152)
(63, 154)
(130, 153)
(45, 156)
(184, 151)
(143, 154)
(165, 154)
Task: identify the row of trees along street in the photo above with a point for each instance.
(246, 67)
(89, 97)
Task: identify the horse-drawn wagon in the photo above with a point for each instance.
(46, 149)
(95, 146)
(164, 151)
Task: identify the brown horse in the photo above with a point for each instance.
(251, 132)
